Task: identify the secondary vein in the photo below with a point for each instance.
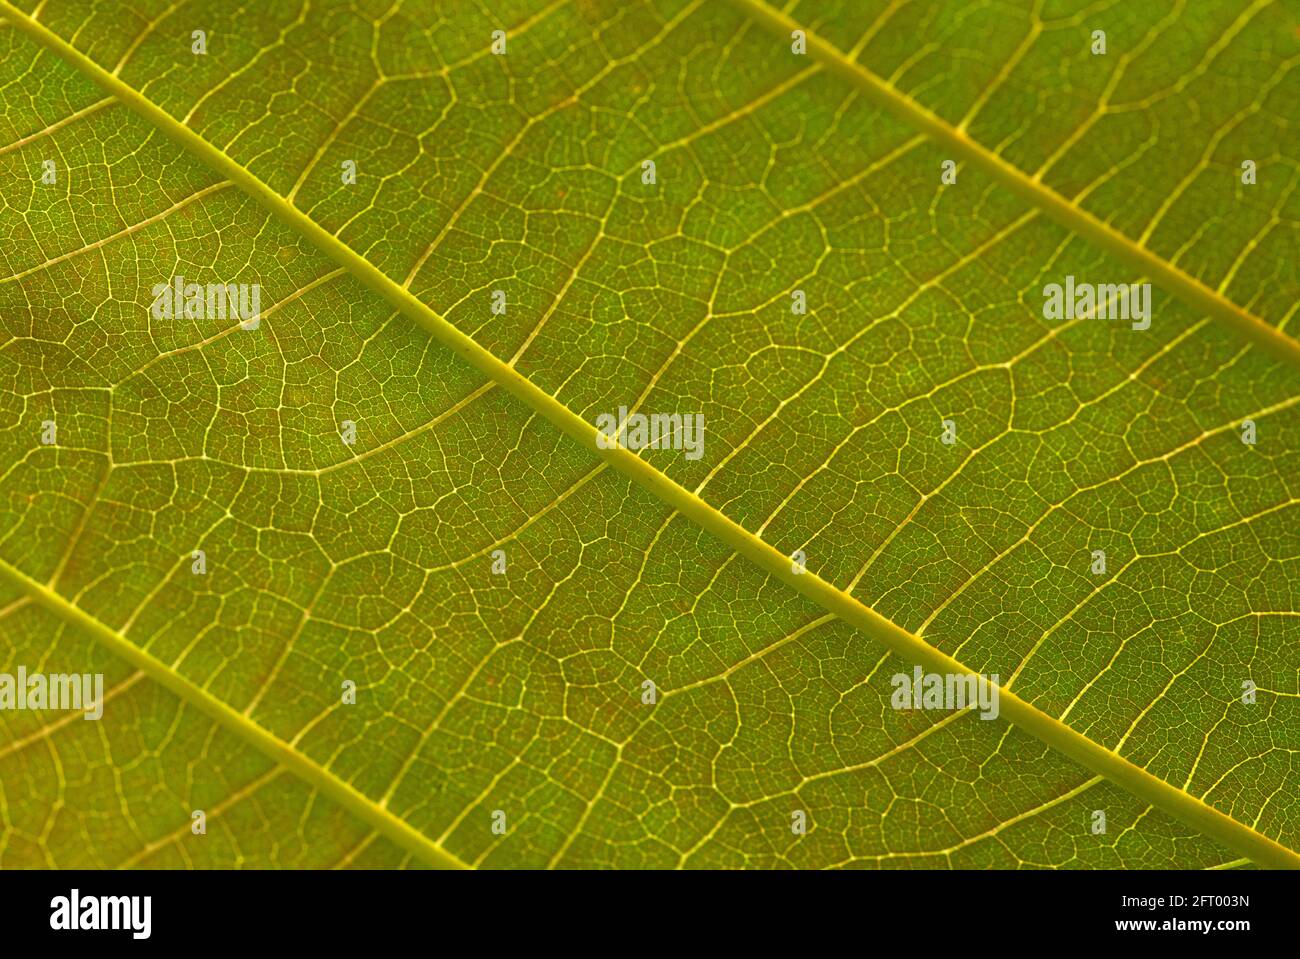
(1189, 809)
(1074, 218)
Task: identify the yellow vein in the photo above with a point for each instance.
(210, 815)
(350, 798)
(1074, 218)
(56, 126)
(48, 730)
(125, 231)
(1142, 784)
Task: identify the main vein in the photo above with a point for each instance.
(1142, 784)
(395, 828)
(1073, 217)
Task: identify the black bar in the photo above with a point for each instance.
(646, 911)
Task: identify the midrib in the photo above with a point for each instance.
(1187, 808)
(393, 827)
(1074, 218)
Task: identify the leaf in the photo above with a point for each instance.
(521, 694)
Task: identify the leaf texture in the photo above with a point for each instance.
(522, 693)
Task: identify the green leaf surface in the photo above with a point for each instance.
(522, 693)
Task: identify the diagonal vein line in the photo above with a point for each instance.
(56, 126)
(1189, 809)
(112, 238)
(1074, 218)
(396, 829)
